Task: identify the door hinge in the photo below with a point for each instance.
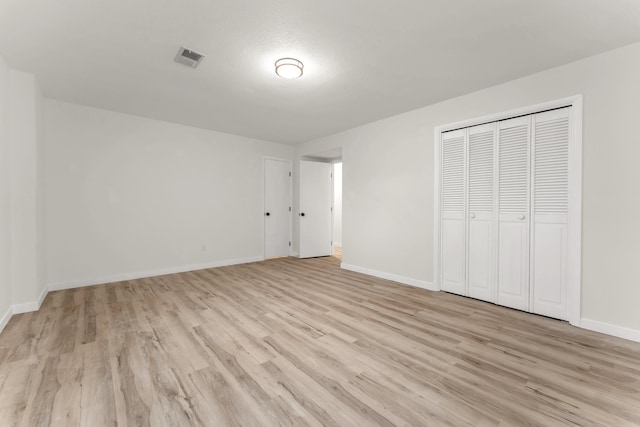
(289, 173)
(289, 243)
(289, 208)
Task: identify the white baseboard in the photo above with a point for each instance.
(151, 273)
(389, 276)
(609, 329)
(5, 318)
(23, 308)
(31, 306)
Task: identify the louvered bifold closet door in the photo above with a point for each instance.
(513, 212)
(480, 241)
(452, 213)
(550, 188)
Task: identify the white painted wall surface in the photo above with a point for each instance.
(5, 197)
(337, 204)
(27, 190)
(22, 275)
(388, 179)
(129, 195)
(41, 189)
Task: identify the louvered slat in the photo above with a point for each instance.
(551, 160)
(453, 174)
(481, 172)
(513, 170)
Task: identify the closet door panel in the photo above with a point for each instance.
(550, 189)
(549, 269)
(453, 212)
(513, 207)
(480, 243)
(453, 255)
(480, 260)
(513, 272)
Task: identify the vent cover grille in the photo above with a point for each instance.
(188, 57)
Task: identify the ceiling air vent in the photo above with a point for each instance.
(188, 57)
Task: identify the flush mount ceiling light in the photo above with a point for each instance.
(289, 68)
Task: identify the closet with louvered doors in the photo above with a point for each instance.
(504, 201)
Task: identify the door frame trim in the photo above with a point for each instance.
(263, 207)
(574, 267)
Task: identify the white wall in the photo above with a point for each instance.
(27, 189)
(6, 289)
(22, 275)
(129, 196)
(337, 204)
(388, 180)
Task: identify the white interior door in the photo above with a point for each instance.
(277, 208)
(513, 207)
(453, 213)
(315, 209)
(480, 244)
(550, 191)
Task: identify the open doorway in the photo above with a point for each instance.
(334, 158)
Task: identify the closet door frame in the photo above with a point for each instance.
(574, 238)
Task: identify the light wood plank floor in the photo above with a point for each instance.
(303, 343)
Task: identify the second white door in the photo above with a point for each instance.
(315, 209)
(277, 208)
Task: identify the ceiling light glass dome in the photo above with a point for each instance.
(289, 68)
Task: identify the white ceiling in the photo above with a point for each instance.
(364, 59)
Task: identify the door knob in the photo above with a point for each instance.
(521, 217)
(473, 216)
(268, 214)
(301, 213)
